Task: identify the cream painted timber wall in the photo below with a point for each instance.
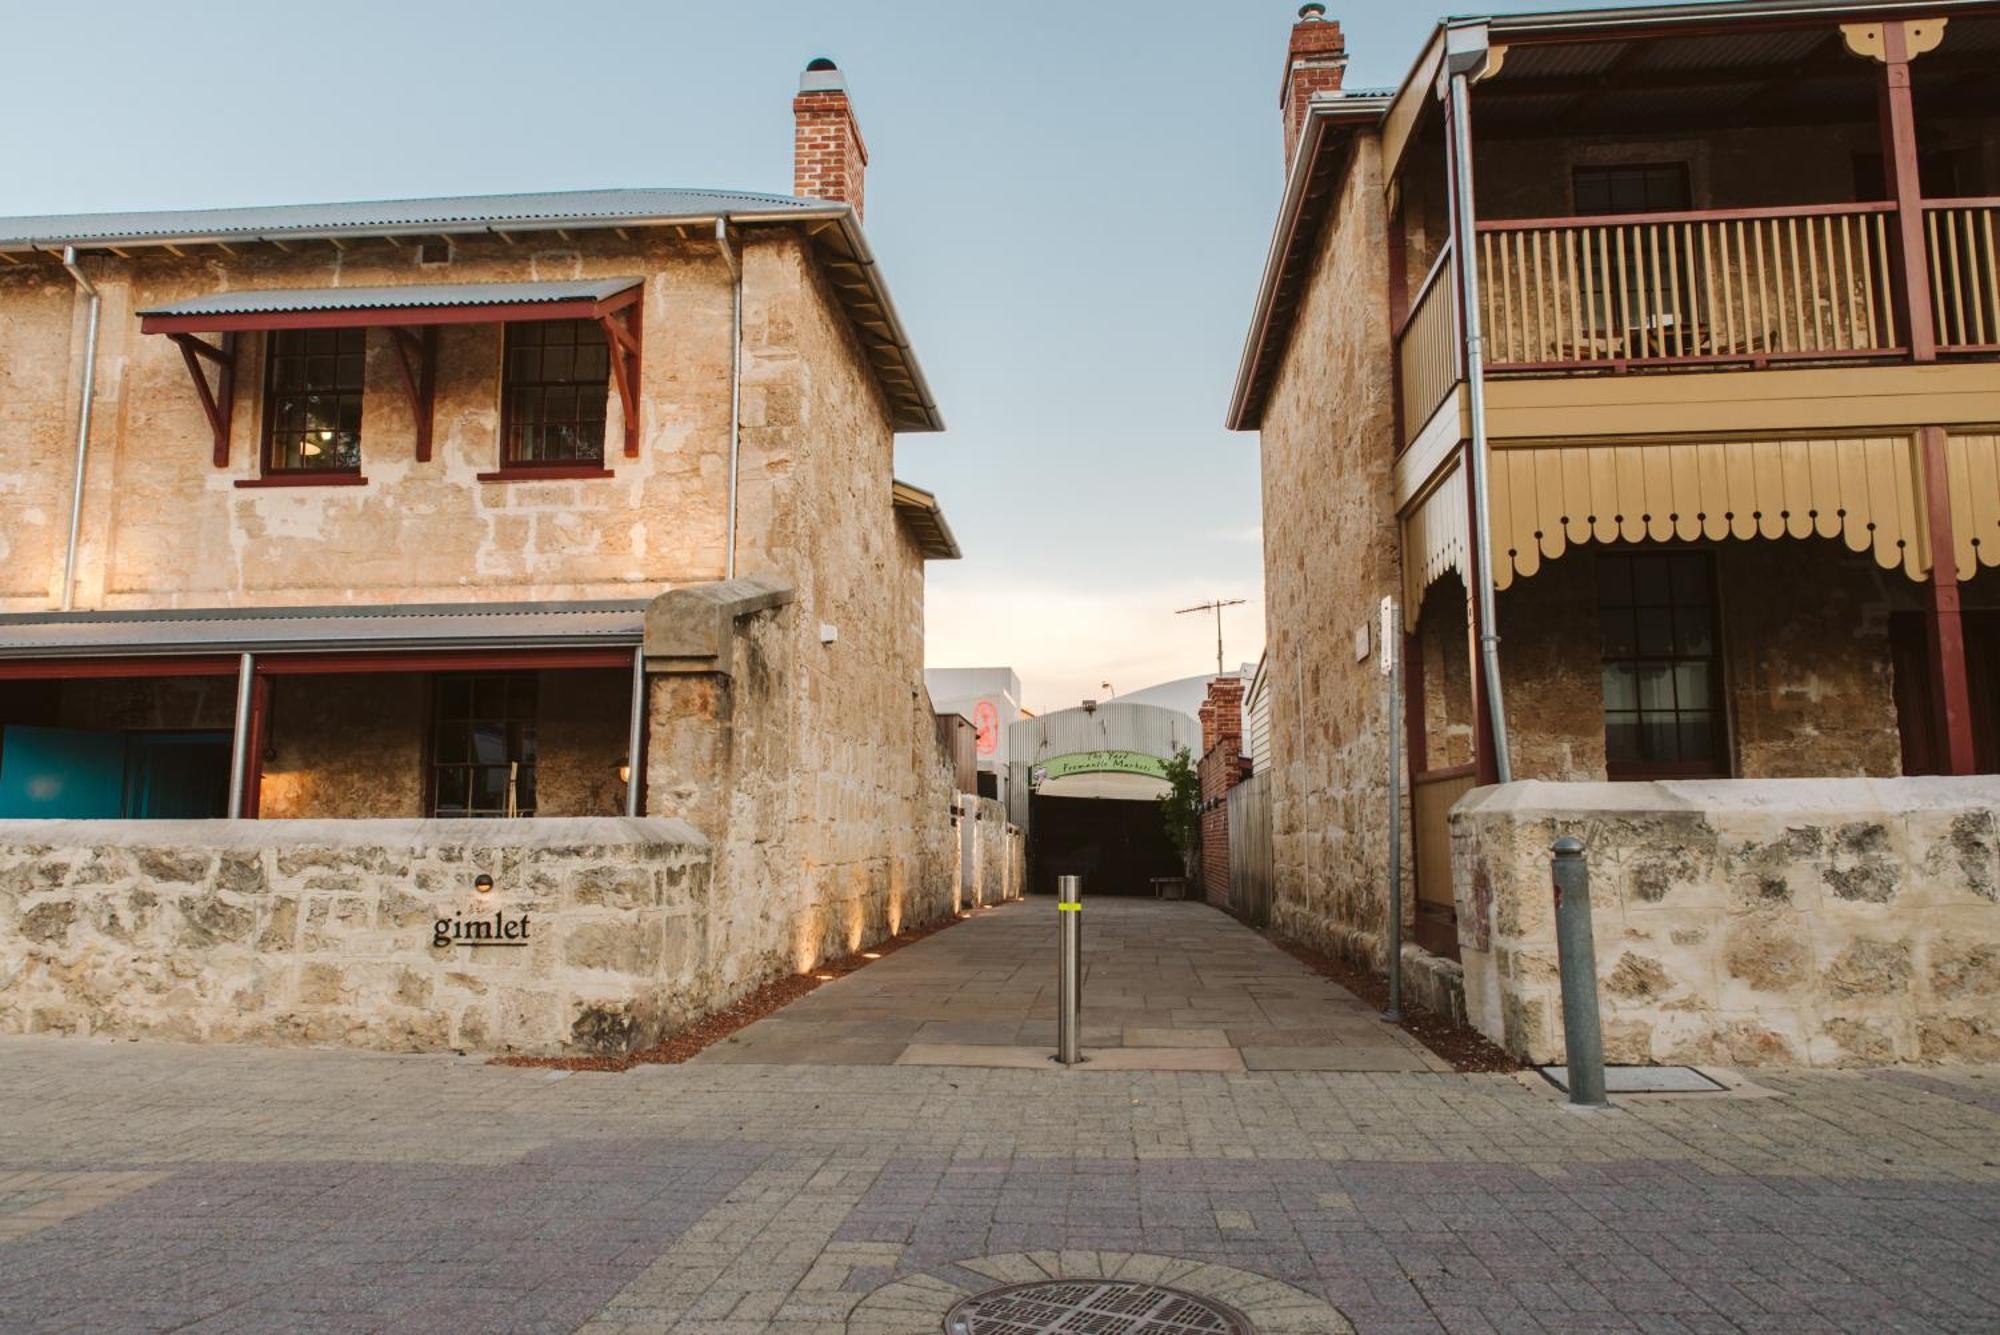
(164, 527)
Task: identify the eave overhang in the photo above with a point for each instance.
(918, 511)
(1317, 171)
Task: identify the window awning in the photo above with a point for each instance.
(415, 304)
(395, 637)
(611, 302)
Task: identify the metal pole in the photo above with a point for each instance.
(1576, 955)
(239, 747)
(1218, 638)
(1465, 237)
(82, 424)
(635, 735)
(1394, 1014)
(1069, 981)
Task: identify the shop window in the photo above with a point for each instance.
(312, 400)
(557, 384)
(1662, 673)
(483, 744)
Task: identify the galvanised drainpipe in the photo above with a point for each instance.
(82, 422)
(1465, 54)
(734, 260)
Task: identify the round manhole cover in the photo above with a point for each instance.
(1093, 1307)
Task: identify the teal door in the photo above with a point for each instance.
(61, 773)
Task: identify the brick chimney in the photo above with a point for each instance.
(828, 158)
(1315, 63)
(1222, 715)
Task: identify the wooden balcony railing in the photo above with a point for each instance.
(1740, 285)
(1427, 347)
(1965, 282)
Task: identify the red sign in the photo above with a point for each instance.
(987, 719)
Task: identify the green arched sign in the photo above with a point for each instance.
(1097, 762)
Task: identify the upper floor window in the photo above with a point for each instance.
(1660, 187)
(558, 381)
(312, 400)
(1662, 674)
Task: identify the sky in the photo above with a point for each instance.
(1071, 200)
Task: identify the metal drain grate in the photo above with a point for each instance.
(1092, 1307)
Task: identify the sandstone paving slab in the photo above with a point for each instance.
(1142, 1036)
(1336, 1058)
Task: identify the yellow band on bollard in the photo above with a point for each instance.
(1069, 908)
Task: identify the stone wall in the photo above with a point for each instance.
(1330, 554)
(324, 932)
(1819, 922)
(998, 856)
(1808, 680)
(810, 760)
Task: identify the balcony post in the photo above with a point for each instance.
(1944, 629)
(1893, 45)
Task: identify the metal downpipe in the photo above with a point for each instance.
(635, 735)
(735, 263)
(1465, 236)
(82, 424)
(239, 741)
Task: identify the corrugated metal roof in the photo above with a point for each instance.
(442, 214)
(287, 300)
(296, 629)
(859, 285)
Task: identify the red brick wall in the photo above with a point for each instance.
(1222, 767)
(829, 160)
(1315, 62)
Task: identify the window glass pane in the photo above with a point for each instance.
(1697, 737)
(489, 697)
(1691, 685)
(558, 377)
(1660, 679)
(524, 791)
(1656, 631)
(454, 741)
(1621, 687)
(489, 788)
(450, 791)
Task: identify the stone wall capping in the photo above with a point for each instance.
(693, 629)
(46, 837)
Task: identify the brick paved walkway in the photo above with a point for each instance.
(150, 1186)
(1168, 987)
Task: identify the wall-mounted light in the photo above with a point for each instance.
(625, 769)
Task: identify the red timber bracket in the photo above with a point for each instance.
(416, 357)
(624, 330)
(219, 403)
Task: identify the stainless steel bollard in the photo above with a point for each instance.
(1576, 954)
(1069, 979)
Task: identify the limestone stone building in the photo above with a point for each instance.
(552, 506)
(1649, 361)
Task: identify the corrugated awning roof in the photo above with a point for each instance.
(416, 303)
(390, 298)
(837, 241)
(419, 626)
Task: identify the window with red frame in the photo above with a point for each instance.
(558, 380)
